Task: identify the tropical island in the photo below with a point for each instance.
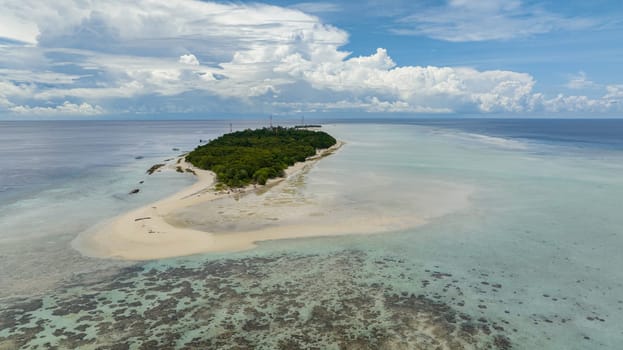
(255, 156)
(227, 167)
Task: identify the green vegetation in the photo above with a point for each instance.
(254, 156)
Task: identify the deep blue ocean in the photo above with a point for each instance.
(574, 132)
(601, 133)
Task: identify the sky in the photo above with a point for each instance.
(188, 58)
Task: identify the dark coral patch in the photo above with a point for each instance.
(282, 302)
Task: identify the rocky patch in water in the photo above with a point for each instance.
(278, 302)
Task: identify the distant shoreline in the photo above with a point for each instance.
(145, 233)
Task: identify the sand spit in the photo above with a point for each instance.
(150, 232)
(200, 219)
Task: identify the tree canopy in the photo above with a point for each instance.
(254, 156)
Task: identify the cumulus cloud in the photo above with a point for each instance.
(420, 88)
(189, 59)
(185, 55)
(469, 20)
(614, 92)
(573, 104)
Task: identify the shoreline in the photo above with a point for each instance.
(145, 233)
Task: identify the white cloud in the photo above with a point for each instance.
(580, 81)
(442, 88)
(189, 59)
(10, 91)
(65, 109)
(39, 77)
(184, 55)
(563, 103)
(16, 27)
(371, 104)
(470, 20)
(614, 92)
(125, 90)
(574, 104)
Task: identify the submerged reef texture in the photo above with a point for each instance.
(274, 302)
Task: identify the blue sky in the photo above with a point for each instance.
(188, 58)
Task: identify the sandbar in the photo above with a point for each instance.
(200, 219)
(150, 232)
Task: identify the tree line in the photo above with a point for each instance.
(254, 156)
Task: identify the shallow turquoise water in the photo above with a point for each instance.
(532, 262)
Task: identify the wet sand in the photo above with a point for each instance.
(152, 231)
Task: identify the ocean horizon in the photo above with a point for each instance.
(526, 257)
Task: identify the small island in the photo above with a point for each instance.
(230, 165)
(254, 156)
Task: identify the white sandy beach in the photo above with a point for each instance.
(147, 232)
(198, 219)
